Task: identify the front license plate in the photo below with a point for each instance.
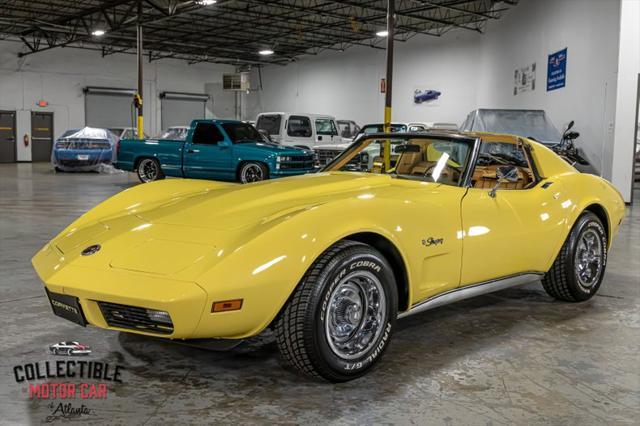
(67, 307)
(83, 157)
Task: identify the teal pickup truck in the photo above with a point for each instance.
(213, 149)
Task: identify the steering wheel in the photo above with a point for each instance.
(448, 172)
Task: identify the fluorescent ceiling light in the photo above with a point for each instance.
(98, 33)
(266, 52)
(206, 2)
(382, 33)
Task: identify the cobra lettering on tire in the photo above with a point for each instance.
(342, 314)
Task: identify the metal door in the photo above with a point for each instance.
(7, 137)
(41, 136)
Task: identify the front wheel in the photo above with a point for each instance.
(149, 170)
(252, 172)
(340, 318)
(578, 270)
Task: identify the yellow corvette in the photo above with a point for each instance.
(331, 260)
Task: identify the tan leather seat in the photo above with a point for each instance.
(485, 177)
(407, 161)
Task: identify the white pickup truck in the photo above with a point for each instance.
(301, 130)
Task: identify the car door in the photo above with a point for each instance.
(325, 130)
(208, 154)
(515, 230)
(299, 131)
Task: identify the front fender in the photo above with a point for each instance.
(265, 270)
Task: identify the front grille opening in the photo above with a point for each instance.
(136, 318)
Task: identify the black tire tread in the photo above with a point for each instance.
(290, 327)
(555, 281)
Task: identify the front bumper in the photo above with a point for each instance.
(184, 301)
(289, 172)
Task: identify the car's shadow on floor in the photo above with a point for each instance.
(422, 347)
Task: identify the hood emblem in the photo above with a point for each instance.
(91, 250)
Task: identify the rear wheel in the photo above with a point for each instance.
(252, 172)
(148, 170)
(579, 268)
(339, 320)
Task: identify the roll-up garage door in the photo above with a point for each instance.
(178, 109)
(107, 107)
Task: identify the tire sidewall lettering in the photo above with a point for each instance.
(365, 263)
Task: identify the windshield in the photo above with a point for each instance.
(269, 123)
(242, 132)
(430, 158)
(174, 133)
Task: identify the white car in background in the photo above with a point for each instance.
(327, 152)
(177, 133)
(348, 130)
(126, 132)
(301, 130)
(423, 127)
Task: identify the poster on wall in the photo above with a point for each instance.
(524, 79)
(557, 70)
(422, 96)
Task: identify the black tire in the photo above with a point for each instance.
(149, 170)
(58, 169)
(564, 281)
(303, 327)
(252, 171)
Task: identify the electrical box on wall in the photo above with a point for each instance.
(238, 81)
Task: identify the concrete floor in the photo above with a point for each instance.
(516, 356)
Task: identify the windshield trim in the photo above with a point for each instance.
(473, 142)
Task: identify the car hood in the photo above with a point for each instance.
(236, 207)
(175, 235)
(272, 148)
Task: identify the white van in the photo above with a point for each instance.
(299, 129)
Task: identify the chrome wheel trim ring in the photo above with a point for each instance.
(147, 170)
(589, 258)
(252, 173)
(356, 314)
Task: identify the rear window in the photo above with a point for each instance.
(242, 132)
(207, 133)
(299, 126)
(269, 123)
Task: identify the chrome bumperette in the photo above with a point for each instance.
(470, 291)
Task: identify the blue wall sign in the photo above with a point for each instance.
(557, 70)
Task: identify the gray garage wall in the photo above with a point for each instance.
(108, 111)
(180, 112)
(59, 75)
(472, 71)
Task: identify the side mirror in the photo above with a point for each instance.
(504, 174)
(570, 125)
(406, 148)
